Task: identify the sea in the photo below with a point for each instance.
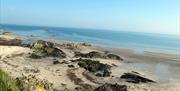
(107, 38)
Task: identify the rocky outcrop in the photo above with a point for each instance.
(44, 48)
(10, 42)
(135, 78)
(71, 46)
(8, 33)
(78, 81)
(95, 54)
(86, 44)
(112, 87)
(113, 56)
(92, 54)
(99, 69)
(31, 83)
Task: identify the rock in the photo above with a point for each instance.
(30, 70)
(44, 49)
(113, 56)
(56, 62)
(92, 54)
(95, 67)
(70, 46)
(112, 87)
(38, 54)
(71, 66)
(86, 44)
(10, 42)
(57, 53)
(95, 54)
(135, 78)
(8, 33)
(41, 44)
(31, 83)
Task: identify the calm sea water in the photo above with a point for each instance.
(119, 39)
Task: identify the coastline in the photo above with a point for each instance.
(15, 61)
(137, 41)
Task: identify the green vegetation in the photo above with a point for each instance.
(7, 83)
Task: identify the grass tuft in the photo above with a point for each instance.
(7, 83)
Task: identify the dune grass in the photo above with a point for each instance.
(7, 83)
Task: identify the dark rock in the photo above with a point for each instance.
(113, 56)
(57, 53)
(134, 78)
(56, 62)
(112, 87)
(95, 67)
(106, 52)
(78, 88)
(86, 44)
(8, 33)
(92, 54)
(45, 48)
(10, 42)
(71, 66)
(114, 65)
(64, 62)
(95, 54)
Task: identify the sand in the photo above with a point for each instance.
(15, 61)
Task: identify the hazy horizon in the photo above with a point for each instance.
(151, 16)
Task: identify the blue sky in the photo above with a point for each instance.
(154, 16)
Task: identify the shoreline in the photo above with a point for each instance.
(135, 50)
(62, 68)
(140, 47)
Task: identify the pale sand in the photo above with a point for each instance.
(8, 51)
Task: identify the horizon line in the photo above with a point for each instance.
(100, 29)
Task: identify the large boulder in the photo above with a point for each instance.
(135, 78)
(99, 69)
(45, 48)
(112, 87)
(41, 44)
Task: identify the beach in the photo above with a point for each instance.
(64, 67)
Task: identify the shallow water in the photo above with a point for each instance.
(122, 39)
(164, 72)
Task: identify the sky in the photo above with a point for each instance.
(152, 16)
